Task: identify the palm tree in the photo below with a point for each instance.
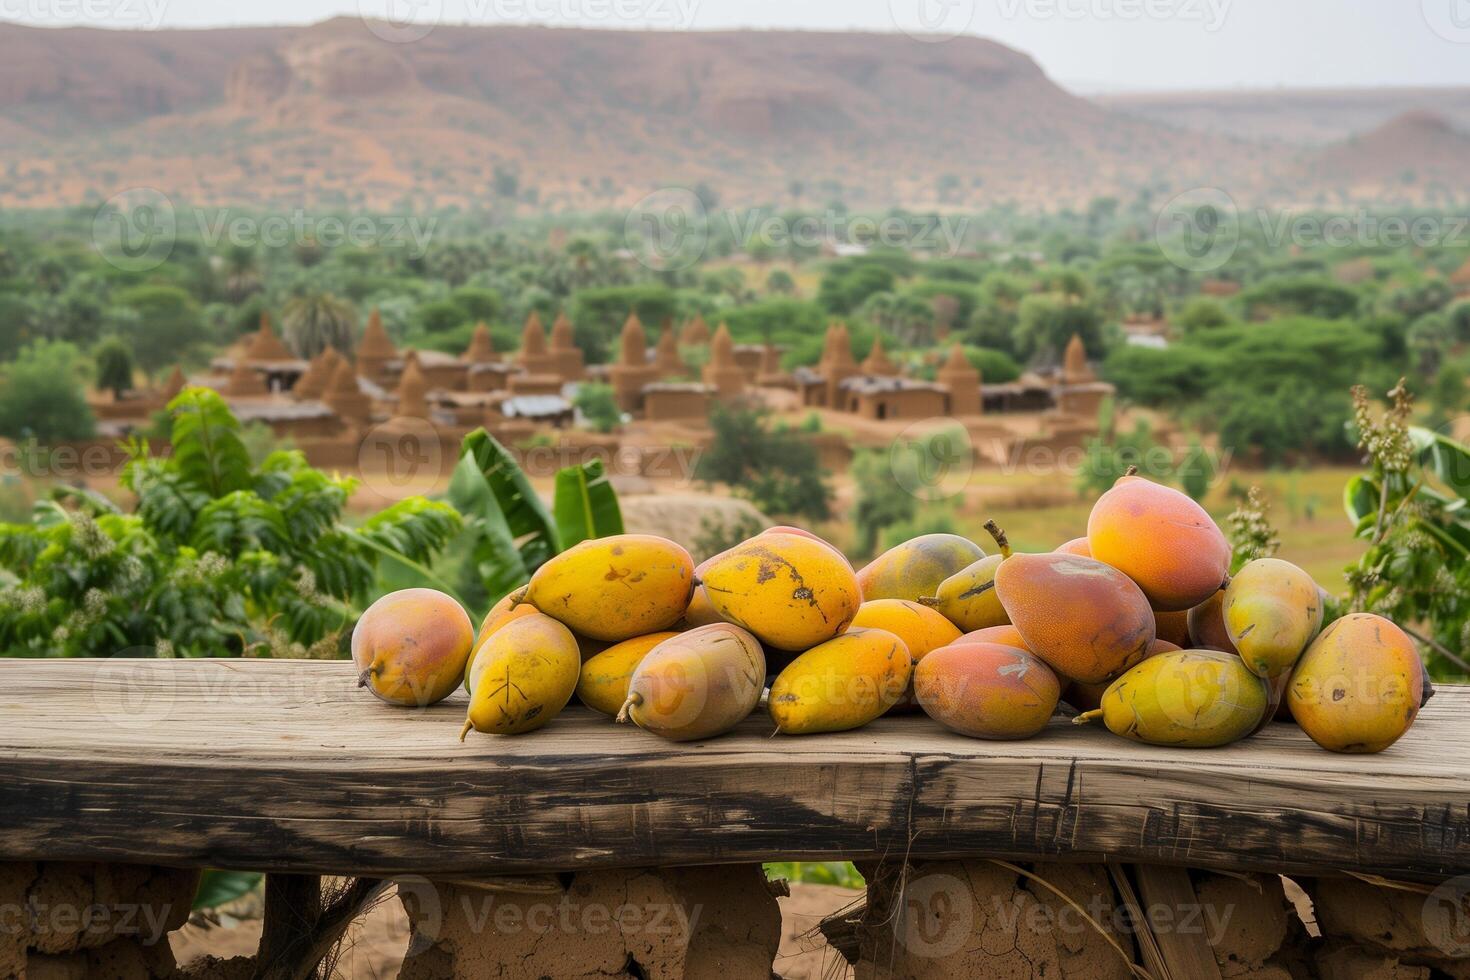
(312, 322)
(242, 272)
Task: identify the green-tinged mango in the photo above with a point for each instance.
(1088, 697)
(525, 674)
(986, 690)
(967, 598)
(792, 591)
(1191, 699)
(615, 588)
(917, 567)
(603, 684)
(698, 684)
(410, 647)
(1359, 686)
(1272, 610)
(841, 684)
(1087, 620)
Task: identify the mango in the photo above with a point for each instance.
(1173, 626)
(527, 672)
(803, 532)
(696, 685)
(1207, 625)
(986, 690)
(841, 684)
(603, 683)
(1087, 697)
(1272, 610)
(1087, 620)
(1162, 540)
(501, 613)
(917, 567)
(1192, 699)
(700, 611)
(967, 598)
(791, 591)
(614, 588)
(1077, 546)
(1359, 686)
(410, 647)
(1007, 636)
(920, 628)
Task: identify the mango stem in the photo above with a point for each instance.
(1087, 716)
(466, 729)
(633, 699)
(1131, 471)
(519, 596)
(1001, 540)
(929, 600)
(362, 678)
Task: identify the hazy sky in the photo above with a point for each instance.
(1085, 44)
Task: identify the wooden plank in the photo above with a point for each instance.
(1186, 952)
(286, 766)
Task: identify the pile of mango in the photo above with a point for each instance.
(1138, 625)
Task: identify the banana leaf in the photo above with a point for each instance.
(220, 887)
(487, 540)
(1445, 458)
(530, 524)
(585, 505)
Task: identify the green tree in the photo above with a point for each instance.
(781, 283)
(1046, 322)
(477, 303)
(315, 321)
(770, 465)
(168, 326)
(846, 286)
(1202, 313)
(598, 405)
(882, 500)
(42, 398)
(113, 359)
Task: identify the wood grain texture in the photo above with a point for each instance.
(1186, 953)
(286, 766)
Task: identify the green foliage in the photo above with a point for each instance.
(1107, 460)
(585, 504)
(773, 467)
(1046, 323)
(841, 874)
(884, 499)
(219, 557)
(167, 326)
(1196, 472)
(113, 359)
(598, 406)
(1202, 313)
(1300, 296)
(318, 320)
(717, 533)
(41, 396)
(847, 285)
(1412, 507)
(218, 888)
(598, 314)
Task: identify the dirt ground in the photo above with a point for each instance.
(375, 945)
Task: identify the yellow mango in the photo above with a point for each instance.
(1272, 610)
(615, 588)
(410, 646)
(603, 684)
(1191, 699)
(501, 613)
(1359, 686)
(920, 628)
(841, 684)
(526, 674)
(698, 684)
(790, 590)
